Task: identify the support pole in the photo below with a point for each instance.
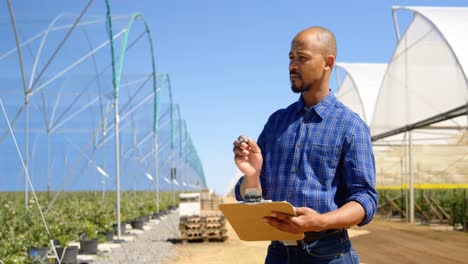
(395, 24)
(117, 163)
(156, 168)
(411, 179)
(26, 153)
(26, 102)
(48, 166)
(464, 211)
(173, 176)
(401, 186)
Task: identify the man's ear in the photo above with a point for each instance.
(330, 62)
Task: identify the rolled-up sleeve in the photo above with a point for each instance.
(359, 172)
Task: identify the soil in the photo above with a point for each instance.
(233, 250)
(396, 242)
(382, 241)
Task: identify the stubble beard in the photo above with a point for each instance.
(299, 89)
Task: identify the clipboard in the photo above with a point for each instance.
(247, 220)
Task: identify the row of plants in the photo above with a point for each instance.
(453, 201)
(73, 216)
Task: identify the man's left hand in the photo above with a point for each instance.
(306, 219)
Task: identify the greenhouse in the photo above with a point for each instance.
(90, 134)
(416, 108)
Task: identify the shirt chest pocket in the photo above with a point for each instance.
(323, 158)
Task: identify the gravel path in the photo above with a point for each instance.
(152, 246)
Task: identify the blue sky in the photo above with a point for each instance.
(228, 60)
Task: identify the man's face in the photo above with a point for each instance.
(306, 63)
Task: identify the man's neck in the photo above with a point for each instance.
(313, 97)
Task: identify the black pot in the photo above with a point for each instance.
(145, 218)
(109, 235)
(160, 214)
(138, 224)
(38, 254)
(68, 255)
(122, 228)
(89, 246)
(155, 215)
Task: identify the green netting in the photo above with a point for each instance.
(58, 95)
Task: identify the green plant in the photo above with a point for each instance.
(128, 210)
(72, 214)
(38, 235)
(89, 230)
(103, 219)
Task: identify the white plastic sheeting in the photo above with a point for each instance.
(359, 90)
(360, 87)
(425, 80)
(426, 76)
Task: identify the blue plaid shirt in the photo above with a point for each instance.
(319, 158)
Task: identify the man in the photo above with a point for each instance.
(315, 154)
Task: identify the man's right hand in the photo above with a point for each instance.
(248, 157)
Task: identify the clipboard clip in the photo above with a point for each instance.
(252, 195)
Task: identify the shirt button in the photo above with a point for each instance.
(293, 170)
(298, 145)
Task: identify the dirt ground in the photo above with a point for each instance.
(232, 251)
(395, 242)
(381, 242)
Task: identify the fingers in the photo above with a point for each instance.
(282, 225)
(299, 211)
(281, 216)
(243, 138)
(242, 146)
(253, 146)
(242, 142)
(246, 143)
(240, 149)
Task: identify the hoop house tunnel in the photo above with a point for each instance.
(70, 106)
(417, 107)
(61, 79)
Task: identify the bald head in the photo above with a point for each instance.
(321, 35)
(311, 60)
